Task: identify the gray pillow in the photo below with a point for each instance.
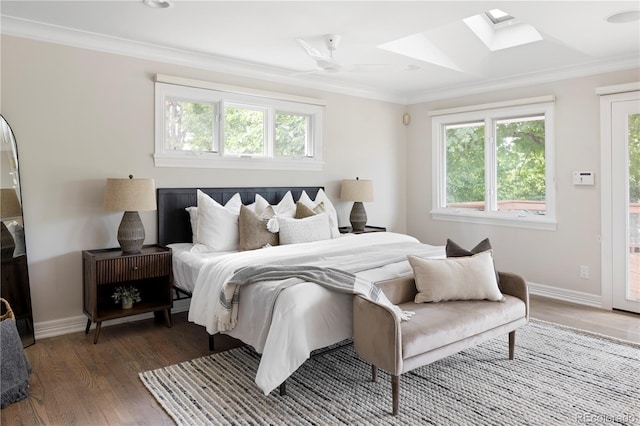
(454, 250)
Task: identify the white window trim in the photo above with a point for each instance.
(219, 94)
(489, 116)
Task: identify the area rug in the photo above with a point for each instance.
(560, 376)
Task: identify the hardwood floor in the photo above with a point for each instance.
(75, 382)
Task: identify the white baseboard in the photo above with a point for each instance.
(565, 295)
(75, 324)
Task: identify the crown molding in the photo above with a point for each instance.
(39, 31)
(87, 40)
(565, 73)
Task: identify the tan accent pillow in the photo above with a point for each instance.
(457, 278)
(302, 210)
(253, 229)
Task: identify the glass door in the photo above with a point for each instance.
(625, 138)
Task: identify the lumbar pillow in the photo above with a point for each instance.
(217, 225)
(312, 228)
(321, 197)
(454, 250)
(461, 278)
(252, 228)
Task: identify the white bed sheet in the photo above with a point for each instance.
(187, 263)
(305, 316)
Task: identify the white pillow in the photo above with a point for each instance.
(456, 278)
(321, 197)
(285, 208)
(193, 216)
(312, 228)
(193, 220)
(217, 226)
(17, 232)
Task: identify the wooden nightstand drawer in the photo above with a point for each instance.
(132, 268)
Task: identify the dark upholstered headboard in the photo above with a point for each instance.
(173, 219)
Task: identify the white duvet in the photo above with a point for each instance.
(305, 316)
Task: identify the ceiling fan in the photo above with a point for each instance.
(327, 63)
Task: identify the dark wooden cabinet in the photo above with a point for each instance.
(150, 271)
(15, 288)
(348, 230)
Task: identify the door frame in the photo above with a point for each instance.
(609, 95)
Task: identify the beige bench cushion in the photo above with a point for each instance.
(439, 324)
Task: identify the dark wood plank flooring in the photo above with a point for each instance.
(75, 382)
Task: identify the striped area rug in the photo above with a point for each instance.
(560, 376)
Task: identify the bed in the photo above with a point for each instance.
(284, 320)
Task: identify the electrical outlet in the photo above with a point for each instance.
(584, 272)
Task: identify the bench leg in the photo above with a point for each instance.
(395, 393)
(374, 373)
(512, 344)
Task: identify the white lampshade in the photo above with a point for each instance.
(360, 190)
(9, 204)
(130, 194)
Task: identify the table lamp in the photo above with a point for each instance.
(9, 210)
(358, 191)
(130, 196)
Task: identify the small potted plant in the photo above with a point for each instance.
(126, 295)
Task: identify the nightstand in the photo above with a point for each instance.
(347, 229)
(150, 271)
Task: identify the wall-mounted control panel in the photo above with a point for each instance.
(583, 178)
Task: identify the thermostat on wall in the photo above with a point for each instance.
(583, 178)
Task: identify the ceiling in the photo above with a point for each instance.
(258, 39)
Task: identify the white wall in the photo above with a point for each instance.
(550, 258)
(81, 116)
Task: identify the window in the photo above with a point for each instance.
(495, 165)
(231, 127)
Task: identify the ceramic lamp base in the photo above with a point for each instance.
(131, 233)
(358, 216)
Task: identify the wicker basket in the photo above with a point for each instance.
(9, 313)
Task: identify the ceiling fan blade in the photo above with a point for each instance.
(312, 51)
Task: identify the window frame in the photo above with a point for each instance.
(490, 115)
(220, 96)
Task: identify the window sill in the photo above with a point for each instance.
(209, 162)
(510, 219)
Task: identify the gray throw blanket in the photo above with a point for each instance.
(320, 269)
(331, 278)
(15, 367)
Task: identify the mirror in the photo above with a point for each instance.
(15, 274)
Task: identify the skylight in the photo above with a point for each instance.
(497, 37)
(498, 16)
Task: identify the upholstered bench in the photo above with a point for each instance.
(437, 330)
